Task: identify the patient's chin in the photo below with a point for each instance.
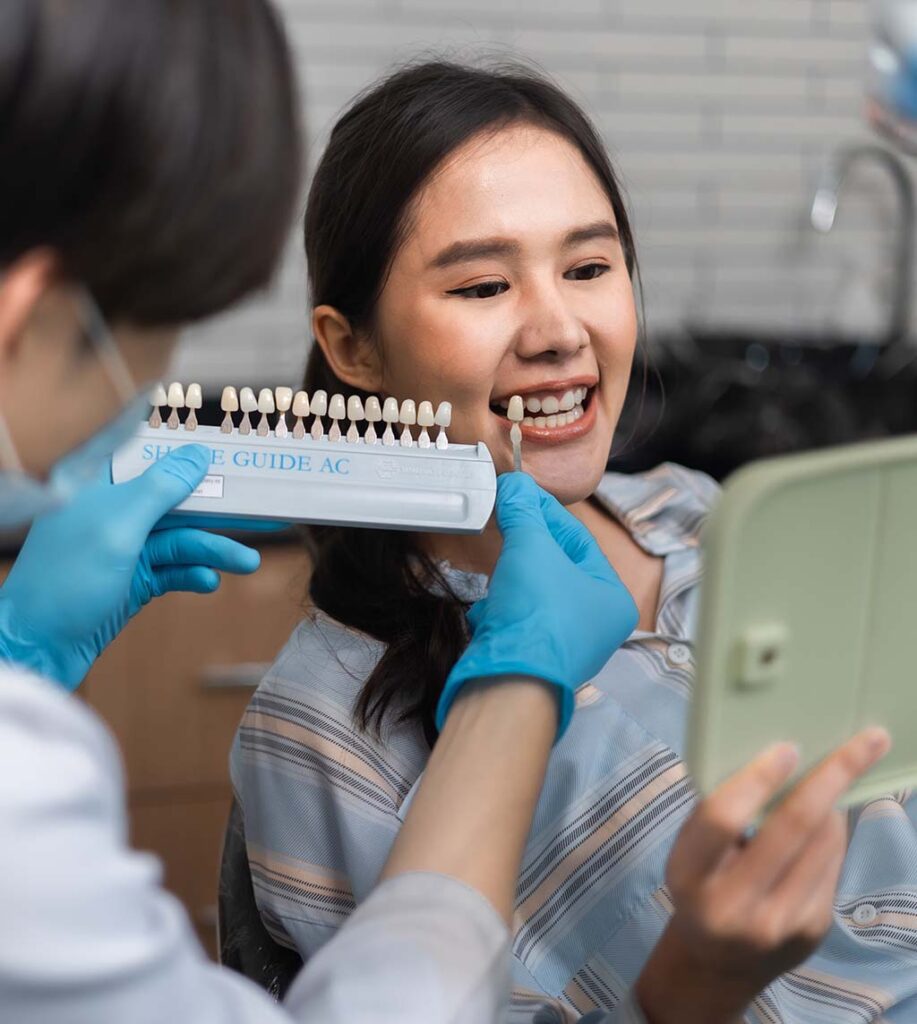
(569, 483)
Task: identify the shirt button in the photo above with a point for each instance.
(865, 914)
(679, 654)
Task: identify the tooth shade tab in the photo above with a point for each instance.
(194, 399)
(265, 400)
(229, 400)
(443, 417)
(319, 406)
(337, 408)
(516, 409)
(301, 404)
(390, 410)
(283, 398)
(355, 408)
(373, 409)
(408, 413)
(425, 416)
(247, 401)
(158, 396)
(176, 396)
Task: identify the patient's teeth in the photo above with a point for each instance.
(318, 408)
(229, 403)
(373, 416)
(158, 398)
(425, 419)
(176, 399)
(283, 398)
(527, 421)
(390, 416)
(408, 417)
(516, 409)
(355, 414)
(443, 419)
(193, 401)
(567, 402)
(551, 421)
(300, 410)
(337, 410)
(533, 404)
(541, 421)
(549, 405)
(248, 404)
(265, 407)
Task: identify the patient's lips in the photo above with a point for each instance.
(553, 413)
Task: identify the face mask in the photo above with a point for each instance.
(22, 496)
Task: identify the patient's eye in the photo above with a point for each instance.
(481, 290)
(587, 272)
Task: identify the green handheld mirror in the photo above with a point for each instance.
(808, 624)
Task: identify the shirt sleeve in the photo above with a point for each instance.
(88, 935)
(430, 950)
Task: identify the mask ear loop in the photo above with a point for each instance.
(113, 362)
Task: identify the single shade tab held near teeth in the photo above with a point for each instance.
(515, 415)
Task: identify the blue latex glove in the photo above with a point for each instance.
(555, 609)
(87, 568)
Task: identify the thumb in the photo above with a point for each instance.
(166, 483)
(518, 503)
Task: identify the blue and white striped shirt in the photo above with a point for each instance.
(323, 803)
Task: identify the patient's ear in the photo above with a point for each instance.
(22, 287)
(352, 355)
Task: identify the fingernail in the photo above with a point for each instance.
(879, 741)
(785, 756)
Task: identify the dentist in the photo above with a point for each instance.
(149, 164)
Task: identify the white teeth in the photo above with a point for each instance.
(550, 405)
(551, 421)
(443, 419)
(408, 417)
(284, 397)
(540, 421)
(516, 409)
(533, 404)
(567, 402)
(176, 399)
(319, 406)
(229, 400)
(373, 412)
(425, 416)
(247, 400)
(527, 421)
(390, 416)
(265, 400)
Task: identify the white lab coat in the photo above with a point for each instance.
(88, 936)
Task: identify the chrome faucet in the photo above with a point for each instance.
(824, 211)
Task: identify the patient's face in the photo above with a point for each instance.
(511, 280)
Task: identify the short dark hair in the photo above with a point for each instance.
(154, 145)
(381, 152)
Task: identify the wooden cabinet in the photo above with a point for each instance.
(173, 687)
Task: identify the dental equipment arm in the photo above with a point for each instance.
(86, 569)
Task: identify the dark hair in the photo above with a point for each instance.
(380, 154)
(153, 145)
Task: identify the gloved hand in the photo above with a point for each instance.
(555, 608)
(87, 568)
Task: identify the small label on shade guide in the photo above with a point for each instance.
(210, 487)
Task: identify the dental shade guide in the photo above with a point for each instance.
(515, 414)
(158, 399)
(176, 400)
(283, 399)
(265, 407)
(249, 404)
(300, 412)
(229, 403)
(194, 399)
(318, 408)
(408, 482)
(443, 419)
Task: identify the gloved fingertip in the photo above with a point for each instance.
(209, 580)
(249, 560)
(518, 500)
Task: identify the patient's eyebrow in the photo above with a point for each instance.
(474, 249)
(589, 232)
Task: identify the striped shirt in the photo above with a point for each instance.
(323, 802)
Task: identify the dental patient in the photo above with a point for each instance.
(467, 241)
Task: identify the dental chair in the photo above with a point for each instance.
(245, 944)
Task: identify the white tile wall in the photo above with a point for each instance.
(720, 114)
